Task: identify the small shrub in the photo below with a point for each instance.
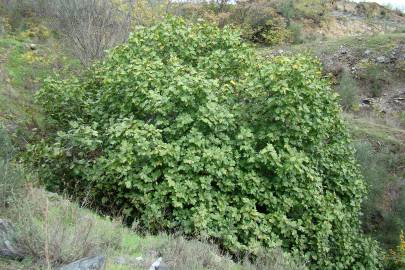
(376, 88)
(273, 260)
(52, 231)
(185, 254)
(5, 26)
(315, 10)
(376, 76)
(296, 33)
(181, 254)
(375, 173)
(6, 148)
(56, 232)
(272, 33)
(402, 118)
(146, 12)
(348, 91)
(36, 31)
(91, 27)
(187, 129)
(11, 178)
(260, 22)
(396, 257)
(400, 67)
(401, 29)
(287, 9)
(201, 11)
(384, 208)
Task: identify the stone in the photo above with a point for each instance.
(88, 263)
(33, 46)
(155, 264)
(381, 59)
(129, 261)
(120, 260)
(367, 53)
(343, 50)
(8, 244)
(162, 266)
(159, 265)
(366, 101)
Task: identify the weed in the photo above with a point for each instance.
(376, 76)
(402, 118)
(384, 209)
(185, 254)
(288, 10)
(273, 260)
(348, 91)
(11, 179)
(296, 33)
(56, 232)
(376, 88)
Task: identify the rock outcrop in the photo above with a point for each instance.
(8, 244)
(88, 263)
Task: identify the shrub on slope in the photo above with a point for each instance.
(184, 128)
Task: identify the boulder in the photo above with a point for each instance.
(344, 50)
(159, 265)
(8, 243)
(366, 101)
(381, 60)
(367, 53)
(88, 263)
(132, 261)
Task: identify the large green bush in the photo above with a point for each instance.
(185, 128)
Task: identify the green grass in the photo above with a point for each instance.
(380, 150)
(379, 43)
(6, 264)
(369, 129)
(22, 71)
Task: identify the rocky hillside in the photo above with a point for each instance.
(337, 19)
(376, 62)
(349, 19)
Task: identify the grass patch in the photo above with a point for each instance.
(376, 76)
(379, 43)
(380, 151)
(348, 91)
(371, 129)
(22, 71)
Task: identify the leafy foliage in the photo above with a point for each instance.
(185, 128)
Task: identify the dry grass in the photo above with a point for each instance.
(56, 232)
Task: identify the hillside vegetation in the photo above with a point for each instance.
(191, 139)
